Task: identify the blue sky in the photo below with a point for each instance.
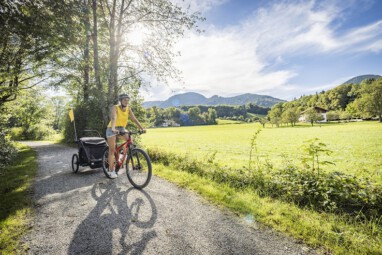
(284, 49)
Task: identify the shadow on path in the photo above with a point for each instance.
(86, 213)
(115, 213)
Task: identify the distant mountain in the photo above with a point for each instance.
(360, 78)
(193, 98)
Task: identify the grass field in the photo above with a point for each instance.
(15, 201)
(357, 147)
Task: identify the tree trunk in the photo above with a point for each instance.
(95, 47)
(118, 42)
(86, 51)
(115, 44)
(97, 74)
(113, 57)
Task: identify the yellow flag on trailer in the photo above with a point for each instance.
(71, 115)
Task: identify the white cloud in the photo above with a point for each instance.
(286, 29)
(367, 38)
(202, 6)
(243, 58)
(374, 47)
(305, 28)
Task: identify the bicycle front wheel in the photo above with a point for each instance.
(138, 168)
(105, 162)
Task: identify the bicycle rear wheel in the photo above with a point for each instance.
(138, 168)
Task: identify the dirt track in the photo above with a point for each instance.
(86, 213)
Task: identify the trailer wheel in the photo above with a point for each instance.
(75, 163)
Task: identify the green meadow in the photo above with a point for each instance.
(333, 213)
(356, 147)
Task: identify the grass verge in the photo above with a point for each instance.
(331, 234)
(15, 200)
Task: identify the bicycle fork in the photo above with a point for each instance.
(135, 162)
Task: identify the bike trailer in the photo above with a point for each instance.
(90, 151)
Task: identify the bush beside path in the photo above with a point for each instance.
(86, 213)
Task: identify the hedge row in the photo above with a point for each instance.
(331, 192)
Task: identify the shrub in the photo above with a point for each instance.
(36, 132)
(40, 132)
(7, 150)
(16, 133)
(334, 192)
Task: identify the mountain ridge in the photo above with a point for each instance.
(193, 98)
(358, 79)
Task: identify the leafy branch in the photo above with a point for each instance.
(314, 148)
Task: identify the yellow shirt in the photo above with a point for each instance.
(121, 118)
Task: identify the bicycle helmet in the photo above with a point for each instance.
(122, 96)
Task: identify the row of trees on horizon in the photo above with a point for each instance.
(204, 115)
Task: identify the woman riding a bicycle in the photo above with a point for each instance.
(120, 115)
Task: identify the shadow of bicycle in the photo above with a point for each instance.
(120, 222)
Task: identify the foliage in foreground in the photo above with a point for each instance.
(330, 192)
(15, 200)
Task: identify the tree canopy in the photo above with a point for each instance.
(94, 49)
(32, 32)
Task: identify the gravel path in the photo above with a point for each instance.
(86, 213)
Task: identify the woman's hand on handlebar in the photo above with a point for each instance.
(115, 131)
(124, 132)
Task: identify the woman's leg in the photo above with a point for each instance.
(111, 142)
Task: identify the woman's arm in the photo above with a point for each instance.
(132, 116)
(113, 117)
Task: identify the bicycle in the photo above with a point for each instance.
(138, 163)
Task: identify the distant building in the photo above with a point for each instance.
(322, 111)
(170, 123)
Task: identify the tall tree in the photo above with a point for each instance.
(194, 115)
(140, 36)
(275, 114)
(312, 115)
(290, 115)
(120, 61)
(212, 116)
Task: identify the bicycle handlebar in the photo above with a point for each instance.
(132, 132)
